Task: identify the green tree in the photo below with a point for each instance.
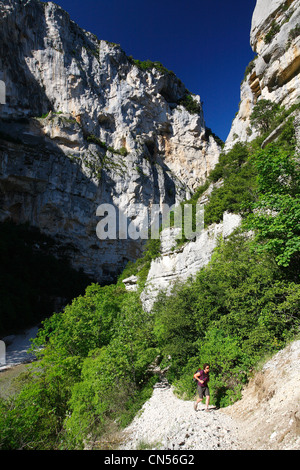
(236, 170)
(264, 115)
(276, 215)
(93, 365)
(176, 332)
(113, 377)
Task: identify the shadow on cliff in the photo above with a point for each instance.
(40, 185)
(44, 189)
(32, 160)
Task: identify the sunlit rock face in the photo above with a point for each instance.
(81, 125)
(275, 72)
(179, 265)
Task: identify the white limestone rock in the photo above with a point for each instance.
(275, 72)
(181, 264)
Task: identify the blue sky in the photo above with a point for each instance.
(206, 43)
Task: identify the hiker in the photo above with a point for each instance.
(202, 377)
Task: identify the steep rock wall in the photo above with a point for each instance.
(178, 265)
(83, 125)
(274, 74)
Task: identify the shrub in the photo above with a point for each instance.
(293, 34)
(275, 28)
(149, 65)
(276, 214)
(239, 182)
(190, 104)
(265, 114)
(94, 363)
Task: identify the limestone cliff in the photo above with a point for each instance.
(181, 264)
(274, 74)
(82, 125)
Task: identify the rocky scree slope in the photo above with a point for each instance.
(83, 125)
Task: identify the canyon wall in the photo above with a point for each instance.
(84, 124)
(274, 74)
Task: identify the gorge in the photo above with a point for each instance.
(101, 128)
(83, 125)
(93, 127)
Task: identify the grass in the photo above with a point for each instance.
(144, 445)
(8, 380)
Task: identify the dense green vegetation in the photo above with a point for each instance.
(275, 215)
(238, 309)
(149, 65)
(240, 169)
(92, 374)
(239, 176)
(93, 367)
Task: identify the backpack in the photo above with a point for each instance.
(198, 370)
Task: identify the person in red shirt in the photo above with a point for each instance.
(202, 377)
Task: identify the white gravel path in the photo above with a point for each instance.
(266, 417)
(168, 423)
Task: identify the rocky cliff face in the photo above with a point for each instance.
(82, 125)
(179, 265)
(274, 74)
